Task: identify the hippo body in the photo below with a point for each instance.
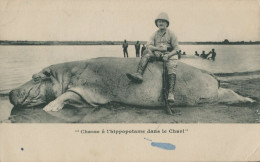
(102, 80)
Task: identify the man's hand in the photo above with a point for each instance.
(165, 57)
(153, 48)
(170, 54)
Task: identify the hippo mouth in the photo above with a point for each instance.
(21, 98)
(15, 97)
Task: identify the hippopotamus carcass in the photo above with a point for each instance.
(99, 81)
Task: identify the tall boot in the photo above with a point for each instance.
(138, 76)
(172, 81)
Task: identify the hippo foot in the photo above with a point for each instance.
(54, 106)
(65, 99)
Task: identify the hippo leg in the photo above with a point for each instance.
(62, 100)
(228, 96)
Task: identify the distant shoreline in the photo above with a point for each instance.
(44, 43)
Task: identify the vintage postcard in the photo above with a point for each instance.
(112, 80)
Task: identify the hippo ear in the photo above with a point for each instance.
(43, 75)
(47, 72)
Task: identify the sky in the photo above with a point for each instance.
(116, 20)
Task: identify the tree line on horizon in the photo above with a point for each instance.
(24, 42)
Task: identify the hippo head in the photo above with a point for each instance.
(37, 91)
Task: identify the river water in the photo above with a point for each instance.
(18, 63)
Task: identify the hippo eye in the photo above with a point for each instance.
(36, 80)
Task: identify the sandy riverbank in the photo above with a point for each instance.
(118, 113)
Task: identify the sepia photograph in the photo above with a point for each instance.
(81, 62)
(130, 62)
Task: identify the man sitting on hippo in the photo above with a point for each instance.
(163, 45)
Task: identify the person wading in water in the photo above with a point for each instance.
(196, 53)
(204, 56)
(163, 45)
(213, 54)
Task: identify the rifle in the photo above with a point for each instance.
(165, 89)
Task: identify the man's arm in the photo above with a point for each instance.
(175, 45)
(151, 45)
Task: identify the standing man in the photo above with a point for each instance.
(179, 54)
(137, 49)
(125, 46)
(163, 45)
(142, 50)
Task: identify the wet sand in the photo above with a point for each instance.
(118, 113)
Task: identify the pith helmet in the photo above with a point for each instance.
(162, 16)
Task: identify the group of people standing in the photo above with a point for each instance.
(138, 45)
(137, 49)
(206, 56)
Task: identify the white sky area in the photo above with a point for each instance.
(191, 20)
